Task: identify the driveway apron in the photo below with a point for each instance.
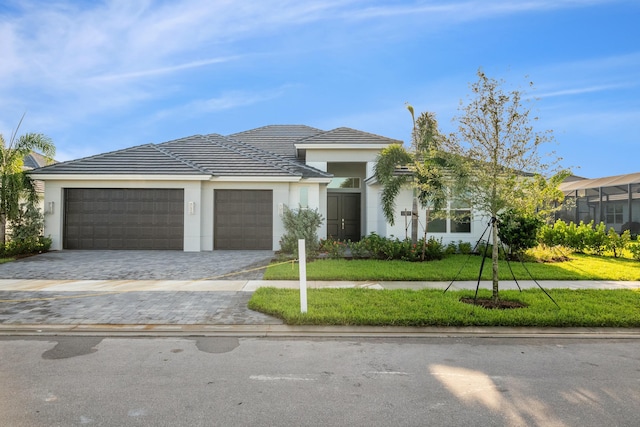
(157, 307)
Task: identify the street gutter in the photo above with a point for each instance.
(266, 331)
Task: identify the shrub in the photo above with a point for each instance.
(334, 248)
(389, 248)
(300, 224)
(635, 251)
(519, 232)
(25, 246)
(358, 249)
(617, 243)
(464, 248)
(434, 250)
(597, 240)
(451, 249)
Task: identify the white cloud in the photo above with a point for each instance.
(226, 101)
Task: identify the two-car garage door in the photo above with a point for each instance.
(136, 218)
(123, 218)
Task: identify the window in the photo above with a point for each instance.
(438, 225)
(460, 217)
(343, 182)
(304, 197)
(461, 221)
(614, 213)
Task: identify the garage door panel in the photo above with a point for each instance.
(243, 219)
(123, 219)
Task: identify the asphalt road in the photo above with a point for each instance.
(227, 381)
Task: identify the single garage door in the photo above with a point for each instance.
(243, 219)
(123, 218)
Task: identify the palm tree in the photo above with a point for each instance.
(425, 168)
(14, 183)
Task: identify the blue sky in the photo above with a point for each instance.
(99, 76)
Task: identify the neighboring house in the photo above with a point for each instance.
(213, 192)
(614, 200)
(32, 161)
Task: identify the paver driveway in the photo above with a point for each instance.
(138, 265)
(116, 308)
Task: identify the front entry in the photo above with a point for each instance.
(343, 216)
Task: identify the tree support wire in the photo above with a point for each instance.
(484, 257)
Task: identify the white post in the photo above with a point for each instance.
(302, 259)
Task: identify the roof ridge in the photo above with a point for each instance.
(375, 135)
(267, 156)
(276, 126)
(289, 166)
(180, 158)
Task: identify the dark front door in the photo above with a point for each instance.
(343, 216)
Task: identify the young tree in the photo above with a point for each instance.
(498, 146)
(424, 168)
(14, 184)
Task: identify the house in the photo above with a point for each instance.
(614, 200)
(215, 192)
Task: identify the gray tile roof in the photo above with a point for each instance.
(142, 159)
(35, 160)
(278, 139)
(345, 135)
(221, 156)
(195, 155)
(265, 151)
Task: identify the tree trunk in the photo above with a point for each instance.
(494, 258)
(414, 221)
(424, 241)
(3, 229)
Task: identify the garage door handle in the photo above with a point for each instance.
(343, 223)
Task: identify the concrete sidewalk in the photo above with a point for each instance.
(27, 285)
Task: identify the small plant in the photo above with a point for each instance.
(635, 251)
(597, 240)
(334, 249)
(464, 248)
(617, 243)
(434, 250)
(519, 232)
(359, 249)
(301, 224)
(451, 249)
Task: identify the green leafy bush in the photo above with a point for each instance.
(301, 224)
(519, 232)
(25, 247)
(464, 248)
(389, 248)
(358, 249)
(617, 243)
(583, 237)
(334, 249)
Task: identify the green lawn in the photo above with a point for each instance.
(580, 267)
(430, 307)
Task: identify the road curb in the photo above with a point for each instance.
(314, 331)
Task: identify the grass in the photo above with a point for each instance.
(430, 307)
(3, 260)
(579, 267)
